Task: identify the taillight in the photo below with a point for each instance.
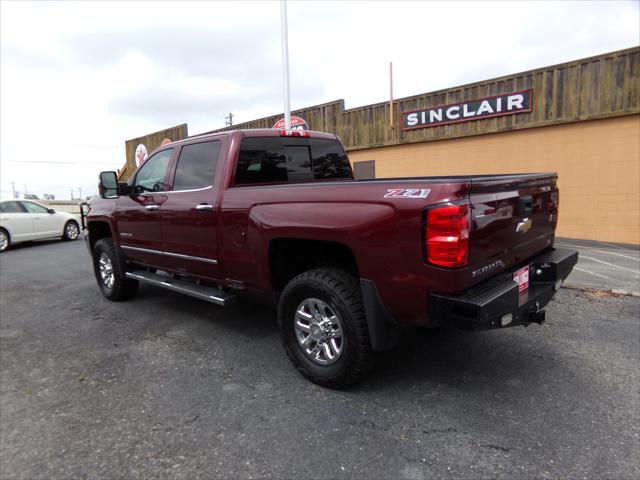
(447, 236)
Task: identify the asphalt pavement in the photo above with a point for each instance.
(167, 386)
(605, 266)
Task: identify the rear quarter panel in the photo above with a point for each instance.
(384, 234)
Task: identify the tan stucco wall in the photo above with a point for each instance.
(598, 163)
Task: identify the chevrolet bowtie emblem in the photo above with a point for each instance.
(524, 225)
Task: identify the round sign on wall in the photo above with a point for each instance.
(141, 154)
(297, 123)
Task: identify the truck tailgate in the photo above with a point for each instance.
(513, 218)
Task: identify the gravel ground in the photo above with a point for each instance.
(168, 386)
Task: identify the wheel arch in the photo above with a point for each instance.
(97, 229)
(289, 257)
(6, 230)
(8, 233)
(66, 222)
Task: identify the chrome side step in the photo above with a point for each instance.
(203, 292)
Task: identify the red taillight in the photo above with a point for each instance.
(294, 133)
(447, 236)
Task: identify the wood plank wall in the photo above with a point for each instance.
(603, 86)
(151, 141)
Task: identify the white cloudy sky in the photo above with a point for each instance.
(79, 78)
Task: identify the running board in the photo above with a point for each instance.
(209, 294)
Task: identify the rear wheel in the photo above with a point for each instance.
(71, 231)
(324, 329)
(4, 240)
(108, 267)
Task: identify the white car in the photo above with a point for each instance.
(25, 220)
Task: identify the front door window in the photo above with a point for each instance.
(151, 176)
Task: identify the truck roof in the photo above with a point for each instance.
(258, 132)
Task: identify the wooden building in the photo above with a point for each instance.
(580, 119)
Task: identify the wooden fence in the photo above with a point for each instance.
(151, 142)
(596, 87)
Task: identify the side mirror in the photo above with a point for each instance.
(108, 186)
(51, 210)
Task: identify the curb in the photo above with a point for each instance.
(614, 292)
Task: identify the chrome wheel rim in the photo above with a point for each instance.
(72, 231)
(319, 331)
(106, 270)
(4, 241)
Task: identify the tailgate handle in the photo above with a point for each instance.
(525, 205)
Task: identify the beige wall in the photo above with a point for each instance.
(598, 163)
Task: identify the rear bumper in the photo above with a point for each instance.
(483, 306)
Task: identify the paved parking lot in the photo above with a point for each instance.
(167, 386)
(610, 266)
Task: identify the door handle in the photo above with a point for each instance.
(204, 207)
(151, 207)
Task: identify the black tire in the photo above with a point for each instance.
(121, 287)
(341, 292)
(5, 240)
(68, 234)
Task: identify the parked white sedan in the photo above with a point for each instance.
(25, 220)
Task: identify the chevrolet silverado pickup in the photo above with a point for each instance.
(348, 263)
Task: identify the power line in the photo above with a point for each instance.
(18, 145)
(57, 162)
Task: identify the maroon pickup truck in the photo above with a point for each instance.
(348, 263)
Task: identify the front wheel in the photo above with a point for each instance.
(71, 231)
(108, 267)
(324, 329)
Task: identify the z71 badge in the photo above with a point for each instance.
(407, 192)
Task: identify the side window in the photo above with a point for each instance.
(197, 166)
(152, 174)
(34, 207)
(11, 207)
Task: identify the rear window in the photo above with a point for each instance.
(290, 159)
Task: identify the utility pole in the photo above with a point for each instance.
(80, 192)
(13, 189)
(24, 194)
(71, 193)
(228, 121)
(391, 94)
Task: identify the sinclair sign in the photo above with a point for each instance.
(506, 104)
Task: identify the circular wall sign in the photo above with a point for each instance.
(297, 123)
(141, 154)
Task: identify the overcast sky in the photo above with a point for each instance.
(77, 79)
